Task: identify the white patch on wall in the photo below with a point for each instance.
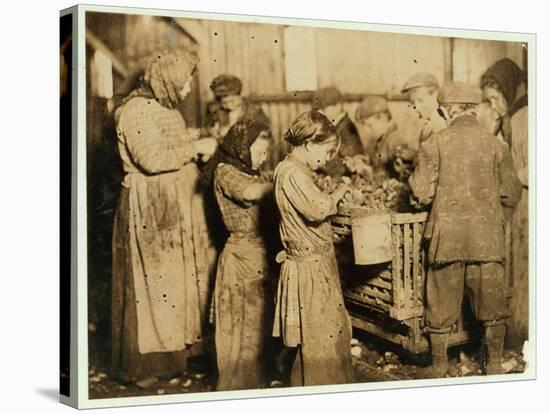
(300, 59)
(102, 75)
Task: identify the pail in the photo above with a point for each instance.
(372, 241)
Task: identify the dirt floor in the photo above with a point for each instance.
(373, 360)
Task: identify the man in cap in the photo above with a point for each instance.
(468, 177)
(328, 101)
(374, 114)
(229, 106)
(422, 91)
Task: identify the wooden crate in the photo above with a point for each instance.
(390, 303)
(399, 291)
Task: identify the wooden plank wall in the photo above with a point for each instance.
(358, 62)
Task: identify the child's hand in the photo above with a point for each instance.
(340, 192)
(206, 146)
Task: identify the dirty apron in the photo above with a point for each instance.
(243, 310)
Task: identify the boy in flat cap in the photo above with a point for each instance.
(422, 90)
(468, 178)
(229, 106)
(374, 114)
(328, 101)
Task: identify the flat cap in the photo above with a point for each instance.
(420, 79)
(325, 97)
(459, 92)
(371, 105)
(224, 85)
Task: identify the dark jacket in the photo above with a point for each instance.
(468, 176)
(350, 145)
(217, 116)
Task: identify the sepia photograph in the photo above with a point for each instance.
(276, 205)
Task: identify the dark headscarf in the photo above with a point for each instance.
(235, 148)
(507, 75)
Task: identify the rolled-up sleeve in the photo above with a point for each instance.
(233, 183)
(148, 146)
(307, 198)
(424, 179)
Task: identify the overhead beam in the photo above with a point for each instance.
(96, 44)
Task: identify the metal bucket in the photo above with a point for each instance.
(372, 241)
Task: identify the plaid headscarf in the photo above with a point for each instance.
(235, 148)
(160, 76)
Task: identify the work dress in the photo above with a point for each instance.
(243, 295)
(520, 233)
(310, 310)
(162, 257)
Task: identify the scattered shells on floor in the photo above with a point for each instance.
(200, 375)
(465, 370)
(160, 391)
(389, 367)
(509, 365)
(187, 383)
(146, 383)
(354, 342)
(174, 381)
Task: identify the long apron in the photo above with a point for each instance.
(310, 313)
(243, 309)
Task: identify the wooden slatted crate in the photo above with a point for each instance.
(390, 303)
(401, 292)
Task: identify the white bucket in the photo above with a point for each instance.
(372, 241)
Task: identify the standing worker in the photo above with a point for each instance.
(374, 114)
(468, 178)
(505, 86)
(328, 101)
(422, 90)
(230, 106)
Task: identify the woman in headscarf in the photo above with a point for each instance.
(160, 247)
(505, 86)
(243, 300)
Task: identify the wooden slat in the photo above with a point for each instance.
(344, 220)
(344, 231)
(385, 275)
(96, 44)
(417, 276)
(402, 218)
(397, 270)
(379, 283)
(376, 293)
(356, 298)
(407, 247)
